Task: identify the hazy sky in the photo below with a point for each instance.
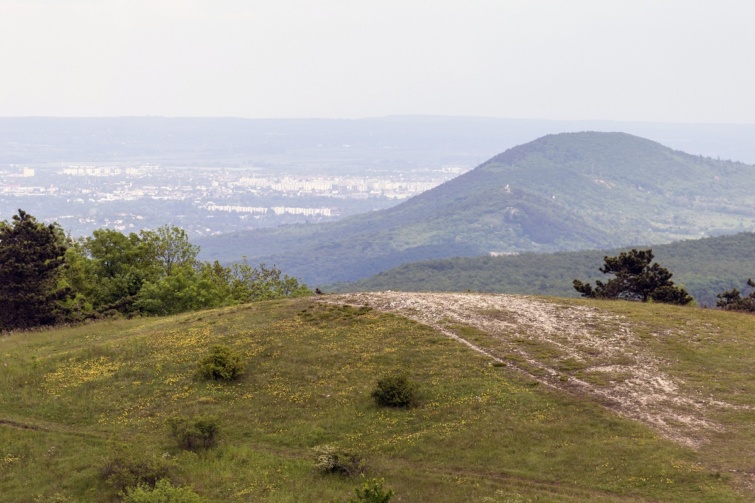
(648, 60)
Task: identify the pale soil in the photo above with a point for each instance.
(548, 341)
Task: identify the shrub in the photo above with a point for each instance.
(55, 498)
(223, 363)
(328, 459)
(199, 433)
(163, 492)
(372, 492)
(395, 391)
(128, 469)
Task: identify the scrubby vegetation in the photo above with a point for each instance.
(46, 278)
(329, 459)
(132, 467)
(372, 491)
(222, 363)
(200, 432)
(395, 391)
(162, 492)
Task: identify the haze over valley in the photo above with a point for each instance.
(377, 252)
(213, 176)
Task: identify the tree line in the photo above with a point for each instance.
(636, 278)
(47, 278)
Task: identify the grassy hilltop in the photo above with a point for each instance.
(510, 426)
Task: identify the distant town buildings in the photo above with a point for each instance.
(203, 200)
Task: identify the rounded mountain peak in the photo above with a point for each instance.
(584, 145)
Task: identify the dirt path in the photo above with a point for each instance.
(573, 348)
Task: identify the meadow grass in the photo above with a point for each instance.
(70, 398)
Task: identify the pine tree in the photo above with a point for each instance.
(635, 279)
(31, 262)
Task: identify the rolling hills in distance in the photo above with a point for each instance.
(561, 192)
(705, 267)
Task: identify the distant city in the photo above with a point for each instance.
(202, 200)
(216, 176)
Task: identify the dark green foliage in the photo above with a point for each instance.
(31, 265)
(395, 391)
(706, 267)
(130, 468)
(157, 273)
(635, 279)
(162, 492)
(198, 433)
(223, 363)
(249, 283)
(732, 300)
(372, 491)
(330, 460)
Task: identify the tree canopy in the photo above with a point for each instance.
(732, 300)
(635, 279)
(47, 278)
(31, 265)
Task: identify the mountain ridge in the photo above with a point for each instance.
(561, 192)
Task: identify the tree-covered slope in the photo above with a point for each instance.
(706, 267)
(561, 192)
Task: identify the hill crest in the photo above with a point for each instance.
(562, 192)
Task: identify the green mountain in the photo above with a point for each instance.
(561, 192)
(547, 400)
(706, 267)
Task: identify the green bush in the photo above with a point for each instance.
(223, 363)
(163, 492)
(395, 391)
(55, 498)
(127, 468)
(198, 433)
(372, 492)
(328, 459)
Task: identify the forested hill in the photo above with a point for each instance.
(561, 192)
(706, 267)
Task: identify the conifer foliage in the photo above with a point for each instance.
(732, 300)
(31, 263)
(635, 279)
(48, 278)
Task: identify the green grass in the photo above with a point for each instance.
(70, 398)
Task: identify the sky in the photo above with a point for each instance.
(685, 61)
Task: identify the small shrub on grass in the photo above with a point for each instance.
(198, 433)
(372, 492)
(129, 469)
(163, 492)
(395, 391)
(55, 498)
(328, 459)
(223, 364)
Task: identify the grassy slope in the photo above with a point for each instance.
(483, 433)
